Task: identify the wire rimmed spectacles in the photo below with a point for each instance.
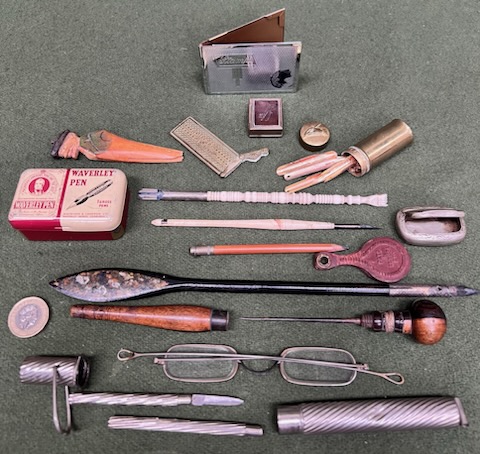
(213, 363)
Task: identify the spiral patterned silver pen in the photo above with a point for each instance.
(161, 400)
(184, 426)
(371, 415)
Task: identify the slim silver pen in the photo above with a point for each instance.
(161, 400)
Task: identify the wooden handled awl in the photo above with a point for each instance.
(425, 321)
(382, 258)
(176, 318)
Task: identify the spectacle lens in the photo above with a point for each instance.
(311, 374)
(201, 368)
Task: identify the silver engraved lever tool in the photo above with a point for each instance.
(212, 151)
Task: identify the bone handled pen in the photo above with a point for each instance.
(302, 198)
(258, 224)
(243, 249)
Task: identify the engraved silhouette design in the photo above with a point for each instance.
(279, 79)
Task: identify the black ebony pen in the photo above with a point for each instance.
(96, 190)
(114, 284)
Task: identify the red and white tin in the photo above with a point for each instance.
(70, 204)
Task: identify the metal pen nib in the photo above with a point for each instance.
(200, 400)
(152, 400)
(356, 226)
(466, 291)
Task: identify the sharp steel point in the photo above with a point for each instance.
(356, 226)
(212, 399)
(467, 291)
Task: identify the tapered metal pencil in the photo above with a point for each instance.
(237, 249)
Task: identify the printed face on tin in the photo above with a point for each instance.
(39, 183)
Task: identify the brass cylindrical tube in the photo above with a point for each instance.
(379, 146)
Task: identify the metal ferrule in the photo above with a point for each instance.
(219, 320)
(201, 250)
(371, 415)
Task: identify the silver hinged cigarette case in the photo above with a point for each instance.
(252, 58)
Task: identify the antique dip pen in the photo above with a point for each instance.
(302, 198)
(116, 284)
(259, 224)
(425, 321)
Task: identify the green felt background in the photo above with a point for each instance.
(133, 68)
